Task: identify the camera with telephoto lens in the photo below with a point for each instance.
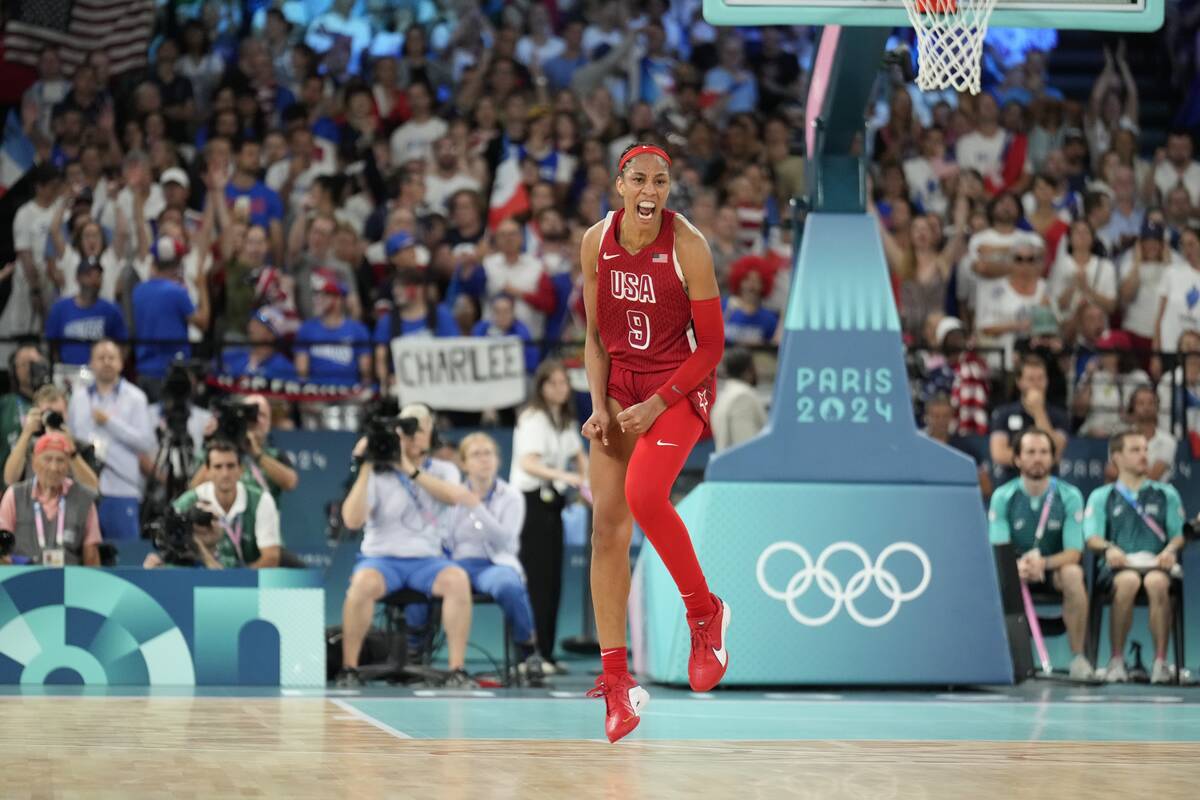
(174, 538)
(234, 420)
(383, 423)
(177, 399)
(52, 421)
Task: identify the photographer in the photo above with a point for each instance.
(48, 414)
(401, 508)
(112, 415)
(248, 423)
(28, 371)
(52, 518)
(176, 413)
(244, 527)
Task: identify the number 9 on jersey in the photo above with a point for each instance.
(639, 329)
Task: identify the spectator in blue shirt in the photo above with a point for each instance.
(84, 318)
(504, 322)
(746, 321)
(732, 85)
(414, 313)
(262, 358)
(162, 311)
(247, 195)
(562, 68)
(332, 349)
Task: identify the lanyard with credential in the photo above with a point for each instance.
(235, 535)
(40, 524)
(1150, 522)
(1045, 517)
(407, 483)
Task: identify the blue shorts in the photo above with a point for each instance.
(119, 518)
(417, 574)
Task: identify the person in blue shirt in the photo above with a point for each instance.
(162, 311)
(504, 322)
(84, 318)
(730, 81)
(746, 321)
(414, 313)
(262, 359)
(332, 349)
(246, 193)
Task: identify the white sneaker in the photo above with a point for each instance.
(1081, 668)
(1161, 673)
(1115, 673)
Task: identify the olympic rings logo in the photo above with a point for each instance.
(831, 586)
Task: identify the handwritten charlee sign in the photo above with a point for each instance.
(460, 373)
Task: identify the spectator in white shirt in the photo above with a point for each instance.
(1179, 392)
(1179, 296)
(739, 413)
(32, 290)
(1006, 311)
(1081, 275)
(1174, 167)
(983, 148)
(1107, 387)
(414, 139)
(925, 174)
(509, 271)
(1161, 446)
(1143, 269)
(449, 175)
(989, 257)
(112, 414)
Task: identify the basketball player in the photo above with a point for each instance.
(654, 337)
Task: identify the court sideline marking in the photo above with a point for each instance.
(367, 718)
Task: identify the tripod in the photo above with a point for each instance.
(173, 460)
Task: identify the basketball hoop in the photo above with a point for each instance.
(950, 37)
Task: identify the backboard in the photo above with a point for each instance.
(1100, 15)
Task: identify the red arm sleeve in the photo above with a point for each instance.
(709, 325)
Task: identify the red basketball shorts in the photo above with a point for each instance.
(630, 388)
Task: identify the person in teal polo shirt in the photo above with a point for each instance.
(1137, 526)
(1043, 518)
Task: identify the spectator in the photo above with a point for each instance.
(939, 426)
(162, 312)
(1046, 218)
(1028, 411)
(265, 466)
(1161, 446)
(75, 322)
(989, 257)
(1082, 275)
(1179, 393)
(31, 289)
(332, 349)
(1179, 291)
(52, 518)
(48, 402)
(1107, 387)
(413, 141)
(739, 412)
(1144, 267)
(1047, 538)
(1175, 167)
(251, 200)
(732, 86)
(401, 507)
(484, 537)
(1007, 310)
(262, 359)
(1136, 525)
(1107, 112)
(503, 322)
(746, 321)
(246, 533)
(509, 271)
(414, 313)
(1125, 223)
(27, 372)
(548, 460)
(112, 414)
(962, 375)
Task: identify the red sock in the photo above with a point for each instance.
(614, 661)
(657, 459)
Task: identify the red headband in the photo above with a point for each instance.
(641, 150)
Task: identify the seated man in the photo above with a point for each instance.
(246, 532)
(52, 518)
(400, 507)
(484, 536)
(49, 412)
(1137, 526)
(1047, 533)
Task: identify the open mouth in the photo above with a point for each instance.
(645, 210)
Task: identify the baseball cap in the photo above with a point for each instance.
(326, 281)
(946, 326)
(1043, 322)
(89, 264)
(168, 250)
(269, 317)
(175, 175)
(398, 241)
(51, 441)
(1152, 230)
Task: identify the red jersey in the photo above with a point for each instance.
(643, 312)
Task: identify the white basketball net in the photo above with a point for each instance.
(949, 43)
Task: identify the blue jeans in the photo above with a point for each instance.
(502, 583)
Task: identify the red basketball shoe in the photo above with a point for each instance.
(709, 658)
(623, 704)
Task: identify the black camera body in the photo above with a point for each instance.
(177, 399)
(234, 419)
(8, 543)
(173, 537)
(383, 423)
(52, 421)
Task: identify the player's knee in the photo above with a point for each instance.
(451, 582)
(646, 495)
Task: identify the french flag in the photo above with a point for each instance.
(16, 152)
(509, 196)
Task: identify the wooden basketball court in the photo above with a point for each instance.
(317, 746)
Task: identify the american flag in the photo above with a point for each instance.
(121, 28)
(659, 258)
